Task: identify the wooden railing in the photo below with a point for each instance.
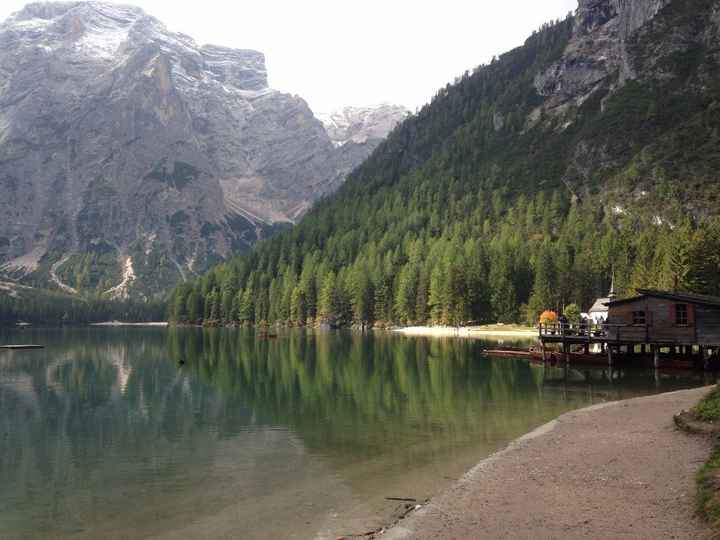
(573, 329)
(607, 331)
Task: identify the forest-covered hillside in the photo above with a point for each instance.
(19, 303)
(522, 186)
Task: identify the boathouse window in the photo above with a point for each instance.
(638, 317)
(681, 314)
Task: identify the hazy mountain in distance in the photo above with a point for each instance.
(357, 131)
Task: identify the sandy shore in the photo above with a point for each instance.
(463, 331)
(617, 470)
(119, 323)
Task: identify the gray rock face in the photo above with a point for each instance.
(130, 156)
(633, 14)
(357, 131)
(362, 124)
(597, 55)
(664, 47)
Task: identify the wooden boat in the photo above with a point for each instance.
(597, 359)
(15, 347)
(508, 353)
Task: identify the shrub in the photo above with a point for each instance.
(572, 312)
(548, 317)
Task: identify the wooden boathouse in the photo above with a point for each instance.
(666, 328)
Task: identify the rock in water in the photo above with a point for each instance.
(131, 157)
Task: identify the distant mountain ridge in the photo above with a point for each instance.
(131, 157)
(356, 131)
(362, 124)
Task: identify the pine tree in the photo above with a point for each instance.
(328, 299)
(298, 308)
(246, 312)
(193, 308)
(544, 290)
(361, 296)
(704, 253)
(406, 295)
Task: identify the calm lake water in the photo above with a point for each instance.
(153, 433)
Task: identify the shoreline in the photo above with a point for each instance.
(583, 464)
(463, 331)
(120, 323)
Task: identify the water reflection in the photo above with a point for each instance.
(203, 433)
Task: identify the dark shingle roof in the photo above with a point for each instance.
(690, 298)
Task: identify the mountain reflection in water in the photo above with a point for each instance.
(203, 433)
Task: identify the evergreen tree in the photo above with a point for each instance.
(193, 308)
(329, 300)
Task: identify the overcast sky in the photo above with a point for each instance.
(335, 53)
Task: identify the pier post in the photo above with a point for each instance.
(609, 354)
(656, 356)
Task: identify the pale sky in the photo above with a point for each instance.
(335, 53)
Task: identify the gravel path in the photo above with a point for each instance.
(613, 471)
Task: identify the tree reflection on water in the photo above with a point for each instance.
(107, 429)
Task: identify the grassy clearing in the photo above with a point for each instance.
(708, 478)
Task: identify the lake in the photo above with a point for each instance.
(187, 433)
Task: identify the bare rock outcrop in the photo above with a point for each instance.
(597, 55)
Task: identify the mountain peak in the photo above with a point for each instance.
(360, 124)
(629, 14)
(597, 55)
(243, 68)
(49, 11)
(129, 145)
(91, 31)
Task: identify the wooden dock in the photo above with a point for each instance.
(622, 344)
(559, 358)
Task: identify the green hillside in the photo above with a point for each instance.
(489, 205)
(20, 303)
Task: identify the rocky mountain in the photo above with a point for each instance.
(131, 157)
(361, 125)
(357, 131)
(599, 55)
(589, 151)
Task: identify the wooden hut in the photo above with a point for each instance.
(668, 328)
(666, 319)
